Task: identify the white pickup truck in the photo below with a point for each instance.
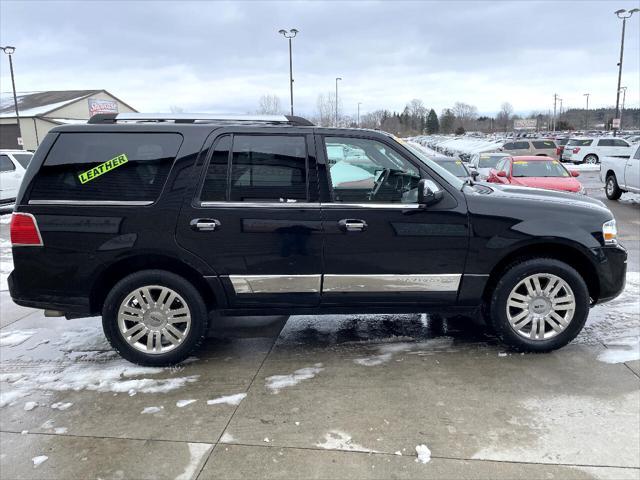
(621, 175)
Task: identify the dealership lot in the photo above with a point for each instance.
(346, 396)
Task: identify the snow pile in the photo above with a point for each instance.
(30, 406)
(184, 403)
(228, 399)
(6, 263)
(276, 382)
(15, 337)
(39, 460)
(424, 454)
(151, 410)
(61, 406)
(337, 440)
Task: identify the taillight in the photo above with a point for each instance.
(576, 150)
(24, 230)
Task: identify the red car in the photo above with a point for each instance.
(538, 172)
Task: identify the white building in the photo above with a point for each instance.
(41, 111)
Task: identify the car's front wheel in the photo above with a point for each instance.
(539, 305)
(611, 187)
(154, 318)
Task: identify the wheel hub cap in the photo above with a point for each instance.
(540, 306)
(154, 319)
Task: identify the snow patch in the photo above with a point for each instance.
(62, 406)
(150, 410)
(197, 452)
(15, 337)
(424, 454)
(184, 403)
(388, 350)
(228, 399)
(6, 263)
(30, 406)
(60, 430)
(621, 350)
(277, 382)
(40, 459)
(337, 440)
(227, 438)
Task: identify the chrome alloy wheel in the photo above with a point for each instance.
(541, 306)
(611, 188)
(154, 319)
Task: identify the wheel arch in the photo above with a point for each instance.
(568, 254)
(126, 266)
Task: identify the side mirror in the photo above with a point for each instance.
(575, 173)
(475, 174)
(429, 193)
(502, 174)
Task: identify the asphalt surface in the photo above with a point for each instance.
(340, 396)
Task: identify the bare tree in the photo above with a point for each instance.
(504, 116)
(326, 105)
(269, 105)
(465, 115)
(373, 119)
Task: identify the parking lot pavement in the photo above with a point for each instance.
(339, 396)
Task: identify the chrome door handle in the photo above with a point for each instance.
(352, 225)
(205, 224)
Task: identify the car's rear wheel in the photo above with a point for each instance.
(591, 159)
(539, 305)
(611, 187)
(154, 318)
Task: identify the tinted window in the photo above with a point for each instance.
(215, 183)
(6, 165)
(363, 170)
(562, 142)
(637, 155)
(619, 143)
(135, 167)
(605, 142)
(268, 168)
(538, 168)
(542, 144)
(579, 143)
(23, 158)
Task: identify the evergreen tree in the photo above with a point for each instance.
(433, 125)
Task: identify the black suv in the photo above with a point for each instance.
(154, 222)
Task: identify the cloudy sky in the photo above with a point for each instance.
(221, 57)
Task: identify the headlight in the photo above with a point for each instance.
(610, 232)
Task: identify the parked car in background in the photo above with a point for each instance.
(560, 142)
(632, 139)
(13, 164)
(454, 166)
(537, 172)
(592, 150)
(621, 175)
(484, 162)
(543, 147)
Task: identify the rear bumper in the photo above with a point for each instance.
(612, 271)
(67, 304)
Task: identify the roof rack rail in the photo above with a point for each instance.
(104, 118)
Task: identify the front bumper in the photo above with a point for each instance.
(612, 271)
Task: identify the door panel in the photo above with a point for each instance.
(266, 246)
(403, 254)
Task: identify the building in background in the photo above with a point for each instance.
(41, 111)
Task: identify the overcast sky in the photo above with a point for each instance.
(221, 57)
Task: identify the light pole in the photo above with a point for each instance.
(9, 51)
(337, 78)
(586, 113)
(623, 14)
(358, 123)
(624, 96)
(289, 35)
(555, 99)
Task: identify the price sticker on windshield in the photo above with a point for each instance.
(520, 162)
(103, 168)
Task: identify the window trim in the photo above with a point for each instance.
(234, 203)
(384, 205)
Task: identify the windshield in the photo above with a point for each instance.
(23, 158)
(456, 167)
(448, 177)
(489, 161)
(538, 168)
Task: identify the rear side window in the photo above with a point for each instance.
(23, 158)
(579, 143)
(543, 144)
(517, 146)
(106, 166)
(619, 143)
(263, 168)
(6, 165)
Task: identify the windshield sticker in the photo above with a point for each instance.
(103, 168)
(520, 162)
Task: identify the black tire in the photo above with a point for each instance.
(611, 188)
(511, 277)
(592, 156)
(185, 289)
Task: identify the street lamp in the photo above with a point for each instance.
(358, 123)
(289, 35)
(9, 51)
(337, 78)
(586, 114)
(623, 14)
